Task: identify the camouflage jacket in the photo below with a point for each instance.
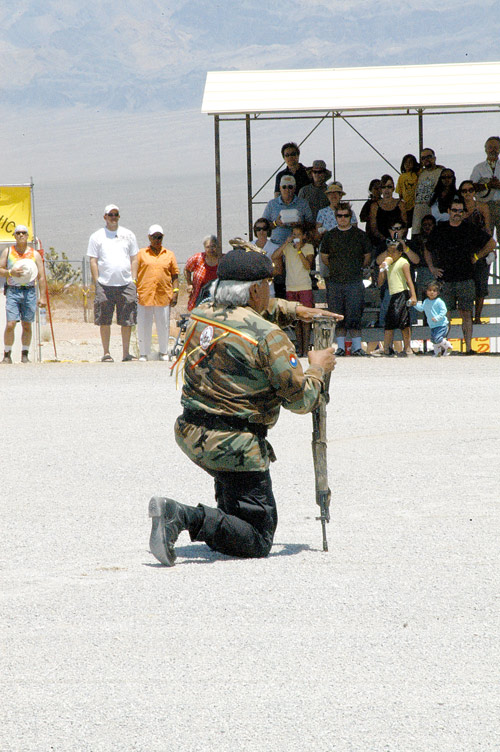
(241, 364)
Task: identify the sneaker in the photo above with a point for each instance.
(168, 521)
(164, 356)
(360, 353)
(340, 353)
(143, 359)
(24, 356)
(448, 347)
(7, 358)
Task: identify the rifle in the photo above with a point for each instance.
(323, 334)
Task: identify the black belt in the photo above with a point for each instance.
(223, 422)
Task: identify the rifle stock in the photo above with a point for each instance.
(323, 334)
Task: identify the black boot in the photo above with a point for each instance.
(169, 519)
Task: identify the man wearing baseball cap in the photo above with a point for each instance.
(157, 291)
(239, 369)
(23, 267)
(113, 254)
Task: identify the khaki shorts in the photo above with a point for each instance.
(124, 298)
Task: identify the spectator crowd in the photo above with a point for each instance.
(424, 238)
(426, 244)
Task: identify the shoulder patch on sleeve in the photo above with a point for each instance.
(293, 360)
(206, 337)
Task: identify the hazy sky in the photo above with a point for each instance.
(101, 92)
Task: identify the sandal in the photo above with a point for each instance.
(107, 358)
(128, 358)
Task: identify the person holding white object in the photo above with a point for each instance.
(22, 267)
(157, 291)
(435, 310)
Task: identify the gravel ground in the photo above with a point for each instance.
(388, 643)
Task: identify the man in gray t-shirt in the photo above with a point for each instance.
(425, 187)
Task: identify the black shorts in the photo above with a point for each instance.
(123, 297)
(459, 295)
(481, 274)
(347, 298)
(398, 313)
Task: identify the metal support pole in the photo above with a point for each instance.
(249, 177)
(333, 147)
(218, 203)
(38, 329)
(420, 132)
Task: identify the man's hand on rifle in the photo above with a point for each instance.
(308, 314)
(323, 358)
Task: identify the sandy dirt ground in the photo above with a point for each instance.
(387, 643)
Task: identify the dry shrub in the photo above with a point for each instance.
(67, 295)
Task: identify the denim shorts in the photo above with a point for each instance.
(347, 298)
(21, 303)
(438, 333)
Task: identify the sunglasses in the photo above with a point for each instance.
(113, 215)
(288, 187)
(21, 232)
(157, 237)
(342, 215)
(258, 229)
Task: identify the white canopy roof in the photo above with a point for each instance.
(344, 89)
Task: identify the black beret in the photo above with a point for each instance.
(245, 265)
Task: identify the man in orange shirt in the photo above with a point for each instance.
(157, 290)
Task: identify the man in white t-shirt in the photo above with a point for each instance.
(113, 263)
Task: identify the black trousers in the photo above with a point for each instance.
(245, 519)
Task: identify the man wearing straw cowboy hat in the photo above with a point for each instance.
(315, 192)
(22, 266)
(239, 369)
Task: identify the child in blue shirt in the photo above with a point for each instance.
(435, 309)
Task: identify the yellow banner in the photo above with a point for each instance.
(15, 209)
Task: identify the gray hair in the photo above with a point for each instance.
(230, 292)
(209, 239)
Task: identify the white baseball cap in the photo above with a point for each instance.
(155, 228)
(110, 207)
